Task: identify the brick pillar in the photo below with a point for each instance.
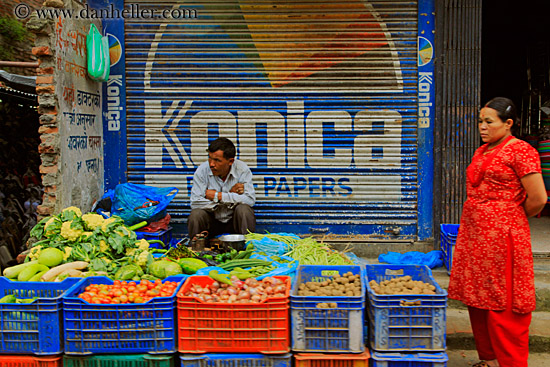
(47, 108)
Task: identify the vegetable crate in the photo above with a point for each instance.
(32, 328)
(235, 360)
(406, 322)
(409, 360)
(232, 327)
(449, 233)
(317, 329)
(165, 236)
(122, 360)
(119, 328)
(30, 361)
(331, 360)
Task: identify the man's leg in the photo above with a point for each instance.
(199, 220)
(244, 219)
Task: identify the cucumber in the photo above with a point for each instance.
(37, 276)
(13, 272)
(190, 265)
(30, 271)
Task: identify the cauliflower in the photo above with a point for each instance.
(106, 259)
(106, 222)
(143, 244)
(93, 220)
(51, 225)
(67, 254)
(87, 234)
(123, 231)
(69, 233)
(35, 252)
(74, 209)
(103, 246)
(142, 258)
(130, 251)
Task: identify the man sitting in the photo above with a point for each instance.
(222, 195)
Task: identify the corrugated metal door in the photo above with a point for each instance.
(458, 65)
(320, 98)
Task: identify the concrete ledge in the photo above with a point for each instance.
(459, 331)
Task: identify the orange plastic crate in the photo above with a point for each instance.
(232, 327)
(30, 361)
(331, 360)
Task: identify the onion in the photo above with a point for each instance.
(232, 291)
(252, 282)
(243, 295)
(279, 289)
(252, 291)
(232, 298)
(268, 290)
(256, 298)
(215, 285)
(275, 281)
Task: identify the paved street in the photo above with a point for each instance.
(466, 358)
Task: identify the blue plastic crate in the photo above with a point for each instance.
(165, 236)
(327, 329)
(32, 328)
(119, 328)
(448, 234)
(379, 359)
(406, 322)
(235, 360)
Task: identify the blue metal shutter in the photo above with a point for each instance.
(320, 98)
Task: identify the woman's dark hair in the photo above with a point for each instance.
(225, 145)
(506, 109)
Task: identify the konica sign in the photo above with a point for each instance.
(322, 103)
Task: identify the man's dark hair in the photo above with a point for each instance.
(225, 145)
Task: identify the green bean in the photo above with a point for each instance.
(309, 252)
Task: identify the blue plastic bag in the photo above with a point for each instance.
(282, 268)
(271, 247)
(432, 259)
(208, 269)
(136, 203)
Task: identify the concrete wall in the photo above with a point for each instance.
(70, 107)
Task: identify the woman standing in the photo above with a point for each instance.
(492, 269)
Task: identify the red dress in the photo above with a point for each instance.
(493, 218)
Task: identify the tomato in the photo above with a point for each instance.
(141, 288)
(127, 292)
